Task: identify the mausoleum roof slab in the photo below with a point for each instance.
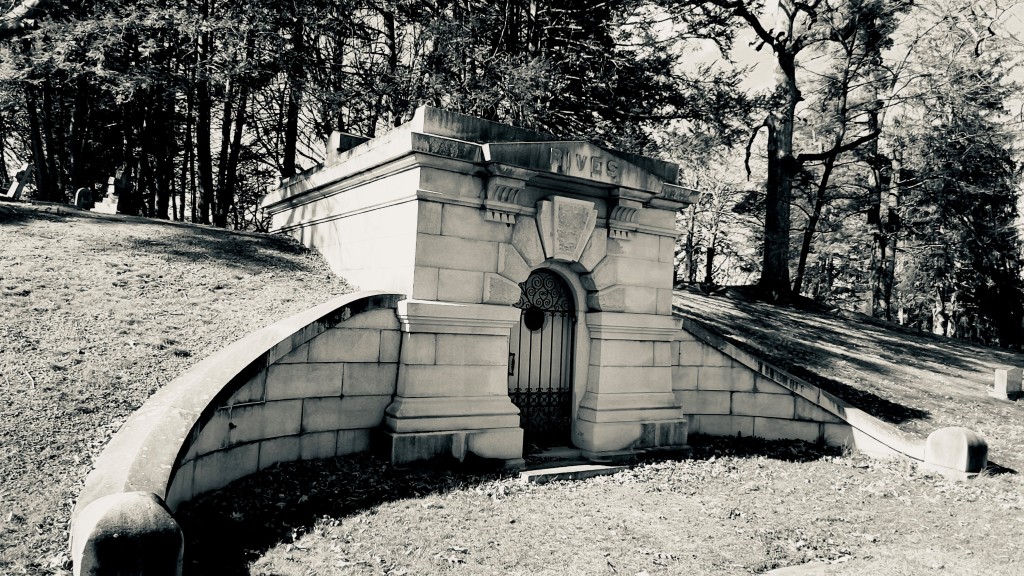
(480, 146)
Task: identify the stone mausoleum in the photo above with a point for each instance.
(538, 281)
(517, 295)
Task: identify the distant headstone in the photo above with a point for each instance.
(1007, 385)
(21, 179)
(83, 198)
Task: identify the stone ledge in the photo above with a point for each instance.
(562, 473)
(452, 318)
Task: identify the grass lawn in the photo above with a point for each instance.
(737, 507)
(97, 312)
(914, 380)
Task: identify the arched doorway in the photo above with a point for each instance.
(541, 351)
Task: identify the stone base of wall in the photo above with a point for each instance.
(504, 446)
(627, 440)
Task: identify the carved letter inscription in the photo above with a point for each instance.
(575, 159)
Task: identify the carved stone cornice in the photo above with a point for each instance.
(501, 192)
(673, 197)
(623, 205)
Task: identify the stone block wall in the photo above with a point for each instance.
(366, 234)
(723, 397)
(457, 254)
(318, 401)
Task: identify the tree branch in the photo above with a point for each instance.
(750, 144)
(837, 150)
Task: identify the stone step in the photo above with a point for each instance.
(573, 472)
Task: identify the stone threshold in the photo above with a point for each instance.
(569, 472)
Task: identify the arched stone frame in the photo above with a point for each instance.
(516, 260)
(581, 357)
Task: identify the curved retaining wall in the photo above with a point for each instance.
(316, 384)
(310, 386)
(726, 391)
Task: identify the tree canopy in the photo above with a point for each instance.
(882, 158)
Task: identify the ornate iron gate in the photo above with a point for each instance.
(541, 351)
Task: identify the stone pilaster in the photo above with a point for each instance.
(629, 404)
(452, 394)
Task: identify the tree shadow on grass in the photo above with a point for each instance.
(706, 447)
(13, 214)
(246, 252)
(227, 530)
(251, 254)
(881, 408)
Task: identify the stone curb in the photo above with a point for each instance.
(131, 478)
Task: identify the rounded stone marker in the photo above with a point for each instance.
(955, 452)
(127, 533)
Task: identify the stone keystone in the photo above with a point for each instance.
(565, 226)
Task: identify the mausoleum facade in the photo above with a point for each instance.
(537, 277)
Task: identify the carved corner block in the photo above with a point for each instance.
(624, 205)
(501, 192)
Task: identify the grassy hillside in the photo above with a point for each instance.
(95, 314)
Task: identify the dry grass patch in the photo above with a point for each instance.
(95, 314)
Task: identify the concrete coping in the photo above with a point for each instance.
(624, 326)
(455, 317)
(472, 141)
(954, 452)
(135, 469)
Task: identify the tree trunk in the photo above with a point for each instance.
(820, 199)
(940, 316)
(186, 173)
(80, 173)
(40, 165)
(204, 152)
(3, 151)
(296, 86)
(52, 166)
(229, 169)
(220, 211)
(163, 177)
(709, 264)
(145, 184)
(688, 259)
(204, 112)
(781, 170)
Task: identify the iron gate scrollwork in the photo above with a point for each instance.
(541, 351)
